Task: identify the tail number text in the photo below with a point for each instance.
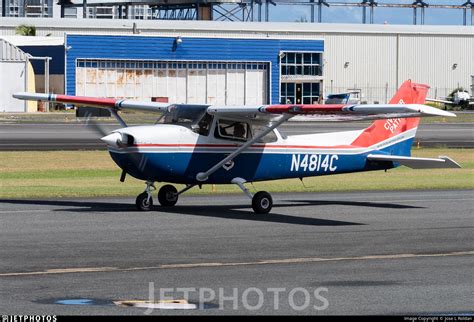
(314, 162)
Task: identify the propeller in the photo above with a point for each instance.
(119, 140)
(95, 126)
(98, 128)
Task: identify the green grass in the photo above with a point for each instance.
(137, 117)
(56, 174)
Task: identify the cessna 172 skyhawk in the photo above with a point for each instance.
(206, 144)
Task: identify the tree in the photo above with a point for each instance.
(24, 30)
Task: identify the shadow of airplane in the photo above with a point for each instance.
(354, 203)
(235, 212)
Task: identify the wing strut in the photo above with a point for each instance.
(203, 176)
(117, 117)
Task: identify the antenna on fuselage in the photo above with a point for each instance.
(302, 182)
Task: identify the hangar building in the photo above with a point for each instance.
(254, 63)
(16, 75)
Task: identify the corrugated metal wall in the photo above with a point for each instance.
(364, 62)
(442, 62)
(191, 49)
(377, 63)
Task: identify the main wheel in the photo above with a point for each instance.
(168, 196)
(262, 202)
(143, 203)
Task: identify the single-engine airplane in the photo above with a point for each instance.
(459, 98)
(206, 144)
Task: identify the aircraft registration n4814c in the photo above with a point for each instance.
(205, 144)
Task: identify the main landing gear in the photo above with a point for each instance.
(262, 201)
(167, 196)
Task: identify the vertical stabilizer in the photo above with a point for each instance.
(381, 130)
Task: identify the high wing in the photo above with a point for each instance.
(416, 163)
(332, 112)
(446, 102)
(117, 104)
(440, 101)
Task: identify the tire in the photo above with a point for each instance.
(167, 196)
(142, 202)
(262, 202)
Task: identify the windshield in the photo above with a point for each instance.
(337, 98)
(184, 114)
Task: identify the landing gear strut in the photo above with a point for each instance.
(262, 201)
(144, 201)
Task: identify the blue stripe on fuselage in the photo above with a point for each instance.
(182, 167)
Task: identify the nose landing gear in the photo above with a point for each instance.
(144, 201)
(167, 196)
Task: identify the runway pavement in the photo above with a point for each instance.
(76, 136)
(408, 252)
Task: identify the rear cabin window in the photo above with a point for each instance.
(269, 138)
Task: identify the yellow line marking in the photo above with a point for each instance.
(232, 264)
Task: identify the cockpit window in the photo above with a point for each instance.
(232, 130)
(204, 125)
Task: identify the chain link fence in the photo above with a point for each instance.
(382, 95)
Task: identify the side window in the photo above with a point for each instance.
(232, 130)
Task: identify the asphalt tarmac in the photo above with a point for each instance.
(408, 252)
(77, 136)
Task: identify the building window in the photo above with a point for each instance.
(301, 77)
(301, 64)
(300, 93)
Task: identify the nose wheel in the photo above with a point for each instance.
(144, 201)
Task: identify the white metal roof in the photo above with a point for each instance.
(9, 52)
(98, 26)
(34, 41)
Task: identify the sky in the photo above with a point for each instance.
(381, 15)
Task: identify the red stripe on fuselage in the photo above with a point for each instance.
(253, 146)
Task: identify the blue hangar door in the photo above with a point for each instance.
(204, 82)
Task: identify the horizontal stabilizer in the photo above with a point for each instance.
(417, 163)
